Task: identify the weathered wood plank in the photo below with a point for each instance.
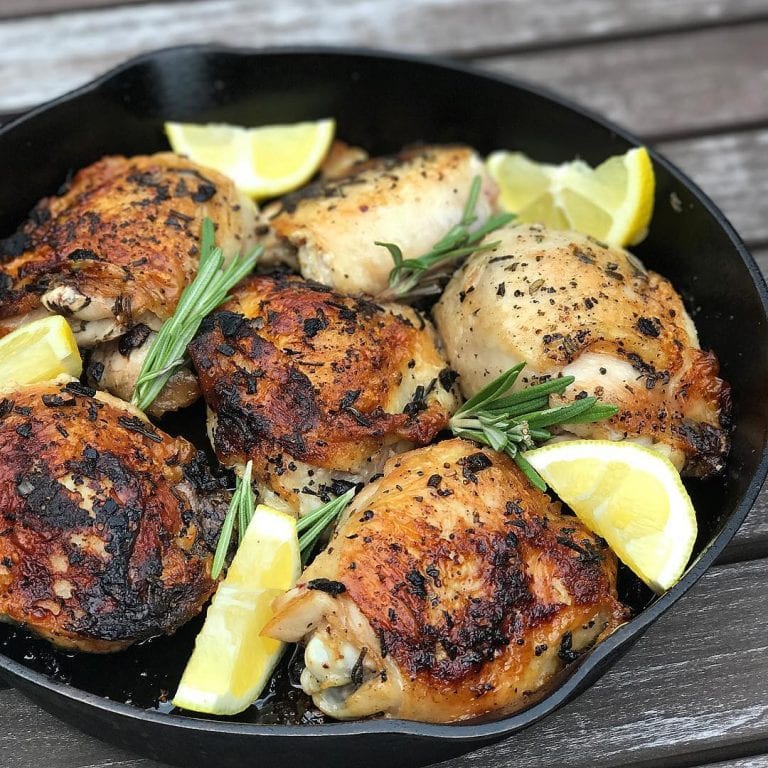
(10, 9)
(756, 761)
(761, 257)
(707, 79)
(751, 540)
(694, 687)
(41, 57)
(733, 169)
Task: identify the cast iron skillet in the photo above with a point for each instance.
(382, 102)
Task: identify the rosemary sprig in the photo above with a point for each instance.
(515, 423)
(312, 525)
(241, 509)
(413, 278)
(207, 291)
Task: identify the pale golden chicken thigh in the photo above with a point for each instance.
(316, 387)
(567, 305)
(331, 228)
(452, 588)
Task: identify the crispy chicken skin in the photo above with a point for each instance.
(566, 304)
(108, 525)
(118, 244)
(412, 199)
(452, 588)
(317, 387)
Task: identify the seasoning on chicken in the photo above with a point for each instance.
(118, 245)
(566, 304)
(413, 199)
(108, 525)
(316, 387)
(452, 588)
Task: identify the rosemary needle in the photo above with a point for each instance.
(514, 423)
(412, 278)
(312, 525)
(240, 510)
(208, 290)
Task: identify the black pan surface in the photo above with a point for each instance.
(381, 102)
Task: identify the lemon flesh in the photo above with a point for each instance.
(263, 162)
(629, 495)
(613, 202)
(39, 351)
(231, 662)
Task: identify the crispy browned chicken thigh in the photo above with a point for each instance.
(316, 387)
(108, 525)
(119, 244)
(452, 588)
(116, 248)
(565, 304)
(331, 228)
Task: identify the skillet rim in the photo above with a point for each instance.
(603, 654)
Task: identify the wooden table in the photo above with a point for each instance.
(691, 76)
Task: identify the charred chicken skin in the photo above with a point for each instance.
(567, 305)
(119, 244)
(331, 228)
(108, 525)
(316, 387)
(115, 249)
(452, 588)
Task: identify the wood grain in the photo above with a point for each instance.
(695, 689)
(733, 169)
(712, 75)
(751, 540)
(694, 686)
(451, 25)
(671, 84)
(10, 9)
(761, 257)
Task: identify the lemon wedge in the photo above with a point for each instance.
(629, 495)
(231, 662)
(263, 162)
(39, 351)
(613, 202)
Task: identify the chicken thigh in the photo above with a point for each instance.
(108, 525)
(115, 367)
(566, 304)
(412, 199)
(119, 243)
(452, 588)
(316, 387)
(117, 246)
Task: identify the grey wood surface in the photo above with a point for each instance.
(677, 83)
(689, 75)
(43, 56)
